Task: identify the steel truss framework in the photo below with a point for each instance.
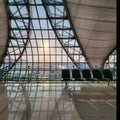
(19, 31)
(60, 22)
(41, 41)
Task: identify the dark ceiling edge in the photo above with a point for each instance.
(76, 37)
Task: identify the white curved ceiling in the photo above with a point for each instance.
(3, 28)
(94, 22)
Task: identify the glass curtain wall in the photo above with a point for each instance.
(111, 63)
(41, 41)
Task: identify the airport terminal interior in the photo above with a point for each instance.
(58, 60)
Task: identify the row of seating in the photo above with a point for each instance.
(88, 75)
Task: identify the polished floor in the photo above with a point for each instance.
(80, 101)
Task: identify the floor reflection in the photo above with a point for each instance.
(37, 102)
(3, 103)
(49, 101)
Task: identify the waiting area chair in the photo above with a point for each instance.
(87, 75)
(66, 74)
(107, 74)
(76, 74)
(98, 75)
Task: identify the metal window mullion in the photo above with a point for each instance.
(41, 35)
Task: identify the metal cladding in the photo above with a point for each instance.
(94, 22)
(3, 29)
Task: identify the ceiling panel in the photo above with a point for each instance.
(94, 22)
(3, 28)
